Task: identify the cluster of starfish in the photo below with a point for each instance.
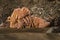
(22, 18)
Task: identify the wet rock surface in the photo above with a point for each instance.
(40, 8)
(29, 36)
(47, 9)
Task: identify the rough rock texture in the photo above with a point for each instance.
(47, 9)
(43, 6)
